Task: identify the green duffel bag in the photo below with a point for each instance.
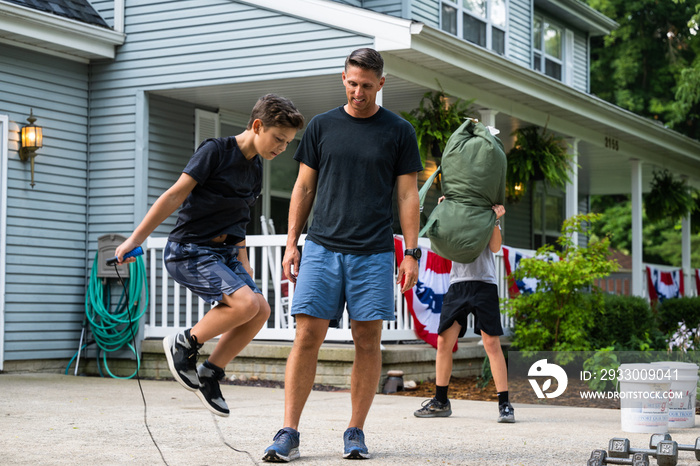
(473, 180)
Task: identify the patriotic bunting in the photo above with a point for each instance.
(424, 300)
(664, 284)
(511, 259)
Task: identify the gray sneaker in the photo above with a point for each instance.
(433, 408)
(182, 351)
(210, 392)
(506, 413)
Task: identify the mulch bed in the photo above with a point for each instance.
(470, 388)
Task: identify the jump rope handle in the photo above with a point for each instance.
(137, 251)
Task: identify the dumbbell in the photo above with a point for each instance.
(656, 438)
(600, 458)
(666, 451)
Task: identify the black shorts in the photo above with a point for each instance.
(479, 298)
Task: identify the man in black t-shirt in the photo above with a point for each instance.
(351, 160)
(206, 250)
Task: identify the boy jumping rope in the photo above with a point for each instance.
(206, 251)
(473, 289)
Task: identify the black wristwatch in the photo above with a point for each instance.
(415, 253)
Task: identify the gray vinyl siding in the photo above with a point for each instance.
(45, 274)
(175, 43)
(357, 3)
(171, 144)
(517, 224)
(581, 62)
(425, 11)
(519, 36)
(106, 9)
(387, 7)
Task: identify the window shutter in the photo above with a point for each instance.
(569, 57)
(206, 125)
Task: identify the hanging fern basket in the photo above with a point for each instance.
(536, 156)
(669, 198)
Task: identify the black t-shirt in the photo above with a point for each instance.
(358, 161)
(227, 186)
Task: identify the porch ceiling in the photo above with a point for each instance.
(522, 97)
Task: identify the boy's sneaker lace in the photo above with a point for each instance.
(182, 351)
(285, 447)
(355, 448)
(433, 408)
(210, 392)
(506, 413)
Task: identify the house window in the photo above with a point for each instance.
(482, 22)
(548, 213)
(547, 48)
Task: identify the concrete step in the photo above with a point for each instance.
(267, 360)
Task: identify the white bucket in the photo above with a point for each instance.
(684, 384)
(643, 399)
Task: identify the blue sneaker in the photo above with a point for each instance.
(355, 448)
(285, 447)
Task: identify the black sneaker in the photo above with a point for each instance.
(182, 351)
(210, 392)
(433, 408)
(506, 413)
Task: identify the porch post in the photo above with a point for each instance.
(685, 250)
(572, 187)
(488, 117)
(637, 272)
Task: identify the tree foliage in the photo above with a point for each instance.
(661, 240)
(650, 65)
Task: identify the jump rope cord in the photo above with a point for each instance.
(221, 436)
(138, 378)
(143, 397)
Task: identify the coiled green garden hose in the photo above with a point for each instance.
(113, 330)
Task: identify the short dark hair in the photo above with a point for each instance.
(274, 110)
(368, 59)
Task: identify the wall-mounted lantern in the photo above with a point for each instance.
(31, 139)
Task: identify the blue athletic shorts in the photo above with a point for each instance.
(209, 271)
(327, 280)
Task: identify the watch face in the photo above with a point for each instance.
(416, 253)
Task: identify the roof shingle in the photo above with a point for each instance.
(79, 10)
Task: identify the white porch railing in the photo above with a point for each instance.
(174, 308)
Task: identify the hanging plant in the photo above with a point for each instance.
(536, 155)
(435, 119)
(668, 198)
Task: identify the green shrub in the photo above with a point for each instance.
(675, 310)
(626, 323)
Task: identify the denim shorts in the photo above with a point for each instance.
(327, 280)
(209, 271)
